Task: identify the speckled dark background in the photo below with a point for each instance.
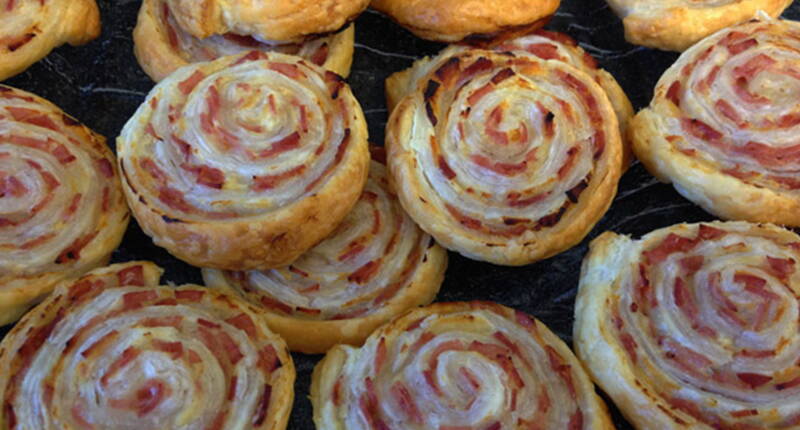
(102, 85)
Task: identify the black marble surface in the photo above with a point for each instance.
(102, 85)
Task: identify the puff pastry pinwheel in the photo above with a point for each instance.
(163, 46)
(245, 162)
(456, 366)
(62, 210)
(273, 21)
(722, 124)
(695, 325)
(544, 44)
(113, 351)
(475, 22)
(505, 158)
(30, 29)
(675, 25)
(376, 265)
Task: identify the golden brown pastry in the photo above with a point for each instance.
(471, 21)
(675, 25)
(470, 365)
(112, 350)
(505, 158)
(723, 123)
(274, 21)
(695, 326)
(245, 162)
(163, 46)
(30, 29)
(544, 44)
(62, 211)
(376, 265)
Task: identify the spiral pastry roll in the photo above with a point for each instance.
(112, 350)
(722, 124)
(62, 211)
(245, 162)
(695, 325)
(376, 265)
(163, 46)
(470, 365)
(276, 21)
(544, 44)
(675, 25)
(475, 22)
(30, 29)
(505, 158)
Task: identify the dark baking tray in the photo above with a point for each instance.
(102, 85)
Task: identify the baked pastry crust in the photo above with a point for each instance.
(245, 162)
(505, 158)
(30, 29)
(470, 20)
(114, 350)
(675, 25)
(694, 325)
(162, 46)
(62, 210)
(275, 21)
(456, 365)
(544, 44)
(375, 265)
(722, 124)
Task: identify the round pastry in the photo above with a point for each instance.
(504, 158)
(723, 122)
(279, 21)
(30, 29)
(544, 44)
(695, 325)
(471, 21)
(245, 162)
(162, 46)
(470, 365)
(376, 265)
(112, 350)
(675, 25)
(62, 211)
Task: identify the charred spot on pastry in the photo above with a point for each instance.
(431, 114)
(553, 218)
(430, 90)
(514, 221)
(574, 193)
(170, 220)
(69, 121)
(19, 43)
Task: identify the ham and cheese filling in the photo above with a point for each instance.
(237, 138)
(193, 50)
(709, 318)
(732, 103)
(368, 261)
(59, 190)
(109, 352)
(460, 366)
(507, 145)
